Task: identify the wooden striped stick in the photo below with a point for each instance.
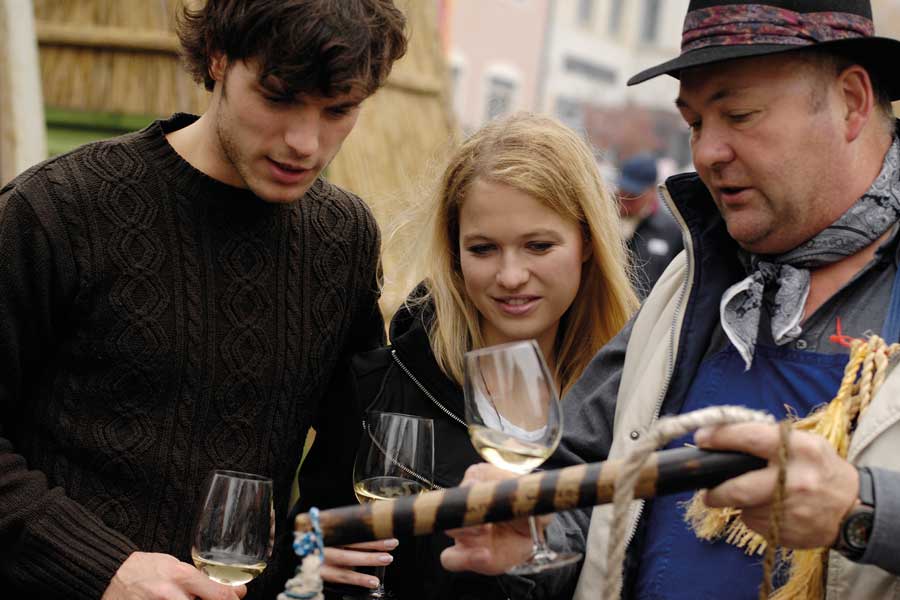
(666, 472)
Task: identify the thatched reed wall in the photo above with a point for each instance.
(120, 56)
(114, 56)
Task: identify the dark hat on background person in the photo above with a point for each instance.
(637, 174)
(720, 30)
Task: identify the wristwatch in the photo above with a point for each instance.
(853, 537)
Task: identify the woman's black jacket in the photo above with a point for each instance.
(404, 378)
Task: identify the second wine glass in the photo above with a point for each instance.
(515, 422)
(395, 458)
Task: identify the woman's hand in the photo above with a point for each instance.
(492, 548)
(340, 562)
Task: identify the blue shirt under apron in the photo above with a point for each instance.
(675, 564)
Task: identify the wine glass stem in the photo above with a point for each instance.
(539, 548)
(379, 592)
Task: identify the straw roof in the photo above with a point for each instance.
(115, 56)
(121, 56)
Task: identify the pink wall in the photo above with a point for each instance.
(495, 32)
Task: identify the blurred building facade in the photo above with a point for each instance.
(570, 58)
(494, 50)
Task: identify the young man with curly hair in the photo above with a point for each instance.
(179, 299)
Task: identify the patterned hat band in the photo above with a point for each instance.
(749, 24)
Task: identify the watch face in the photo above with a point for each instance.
(857, 529)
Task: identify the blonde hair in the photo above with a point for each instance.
(538, 156)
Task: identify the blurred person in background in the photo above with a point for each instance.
(179, 299)
(653, 236)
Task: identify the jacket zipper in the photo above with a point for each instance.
(689, 248)
(428, 395)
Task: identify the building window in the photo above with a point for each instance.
(588, 69)
(615, 16)
(456, 84)
(651, 21)
(571, 112)
(585, 11)
(500, 92)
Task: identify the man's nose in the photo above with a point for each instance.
(302, 134)
(711, 148)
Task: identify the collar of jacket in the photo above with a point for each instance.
(715, 268)
(409, 338)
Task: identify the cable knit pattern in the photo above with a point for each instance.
(159, 324)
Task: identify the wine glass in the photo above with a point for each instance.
(395, 458)
(515, 422)
(234, 531)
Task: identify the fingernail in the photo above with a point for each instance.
(701, 436)
(391, 543)
(385, 558)
(372, 582)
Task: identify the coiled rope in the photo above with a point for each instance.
(864, 374)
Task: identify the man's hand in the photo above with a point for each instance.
(493, 548)
(339, 562)
(820, 488)
(151, 576)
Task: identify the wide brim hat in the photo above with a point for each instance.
(721, 30)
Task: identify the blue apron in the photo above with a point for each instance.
(675, 564)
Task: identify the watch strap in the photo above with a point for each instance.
(866, 486)
(864, 511)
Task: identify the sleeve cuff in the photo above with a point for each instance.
(68, 553)
(884, 544)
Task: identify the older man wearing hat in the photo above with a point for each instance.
(654, 237)
(791, 233)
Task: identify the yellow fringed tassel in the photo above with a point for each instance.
(863, 375)
(807, 575)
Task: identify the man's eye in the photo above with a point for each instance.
(277, 100)
(740, 117)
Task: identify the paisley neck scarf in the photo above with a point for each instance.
(780, 283)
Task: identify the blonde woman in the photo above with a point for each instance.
(521, 241)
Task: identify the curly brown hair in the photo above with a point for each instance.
(310, 47)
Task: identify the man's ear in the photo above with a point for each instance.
(218, 65)
(855, 88)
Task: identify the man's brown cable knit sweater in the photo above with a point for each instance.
(156, 324)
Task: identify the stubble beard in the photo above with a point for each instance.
(230, 151)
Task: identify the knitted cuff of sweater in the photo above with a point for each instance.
(67, 553)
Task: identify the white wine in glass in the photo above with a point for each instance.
(233, 534)
(386, 488)
(515, 422)
(507, 451)
(395, 458)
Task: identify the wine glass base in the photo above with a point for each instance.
(544, 561)
(376, 594)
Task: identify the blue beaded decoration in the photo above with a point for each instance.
(306, 544)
